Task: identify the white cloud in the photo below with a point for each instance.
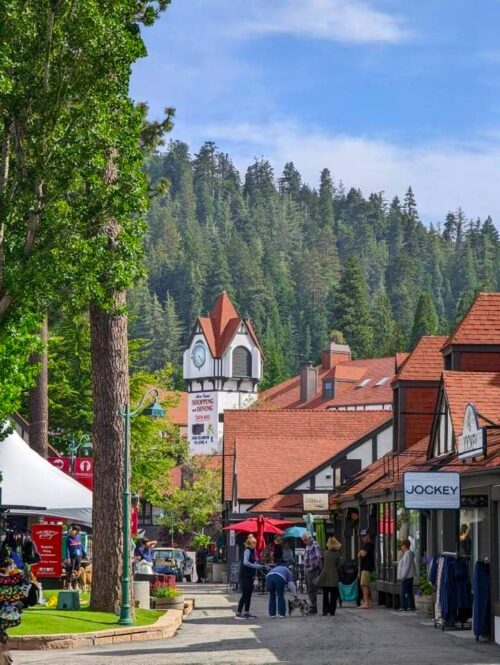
(443, 175)
(337, 20)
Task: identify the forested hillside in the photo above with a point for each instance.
(300, 261)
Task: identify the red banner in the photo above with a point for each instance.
(134, 520)
(62, 463)
(84, 471)
(48, 541)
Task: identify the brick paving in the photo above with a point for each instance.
(210, 636)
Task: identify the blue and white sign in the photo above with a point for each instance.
(424, 490)
(472, 441)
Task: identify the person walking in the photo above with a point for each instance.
(328, 579)
(277, 581)
(366, 557)
(312, 568)
(248, 568)
(201, 563)
(406, 572)
(75, 552)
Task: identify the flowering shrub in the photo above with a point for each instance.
(167, 582)
(166, 592)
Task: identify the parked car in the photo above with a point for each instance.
(170, 560)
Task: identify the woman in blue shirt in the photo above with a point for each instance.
(247, 575)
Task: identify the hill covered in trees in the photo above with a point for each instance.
(299, 261)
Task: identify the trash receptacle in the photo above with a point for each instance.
(141, 594)
(68, 600)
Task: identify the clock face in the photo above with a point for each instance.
(199, 354)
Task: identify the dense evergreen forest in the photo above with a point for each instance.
(300, 261)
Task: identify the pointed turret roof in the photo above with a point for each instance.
(222, 324)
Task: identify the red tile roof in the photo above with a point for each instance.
(480, 388)
(221, 326)
(274, 448)
(481, 324)
(286, 395)
(425, 362)
(279, 503)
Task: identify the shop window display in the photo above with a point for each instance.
(473, 539)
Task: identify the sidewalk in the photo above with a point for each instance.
(211, 636)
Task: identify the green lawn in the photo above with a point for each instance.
(40, 620)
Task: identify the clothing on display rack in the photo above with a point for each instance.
(449, 575)
(481, 600)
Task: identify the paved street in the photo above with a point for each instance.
(210, 636)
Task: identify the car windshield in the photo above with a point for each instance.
(169, 554)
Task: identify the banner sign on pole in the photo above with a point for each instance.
(62, 463)
(48, 541)
(431, 491)
(84, 471)
(472, 441)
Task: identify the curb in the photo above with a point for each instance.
(166, 626)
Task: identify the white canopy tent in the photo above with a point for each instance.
(32, 486)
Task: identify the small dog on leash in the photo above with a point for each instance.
(300, 604)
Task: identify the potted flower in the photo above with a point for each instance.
(423, 597)
(167, 598)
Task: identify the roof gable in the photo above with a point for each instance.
(481, 323)
(274, 448)
(425, 362)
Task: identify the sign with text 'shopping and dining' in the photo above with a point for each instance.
(431, 490)
(472, 441)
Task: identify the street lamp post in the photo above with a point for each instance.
(155, 411)
(85, 444)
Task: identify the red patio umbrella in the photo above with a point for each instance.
(250, 525)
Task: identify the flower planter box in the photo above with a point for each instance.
(167, 603)
(423, 605)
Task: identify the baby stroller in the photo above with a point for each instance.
(349, 588)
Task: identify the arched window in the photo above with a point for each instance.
(242, 362)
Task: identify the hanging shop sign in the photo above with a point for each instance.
(431, 491)
(48, 541)
(315, 502)
(472, 441)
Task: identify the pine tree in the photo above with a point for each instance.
(290, 182)
(383, 326)
(352, 312)
(326, 194)
(426, 320)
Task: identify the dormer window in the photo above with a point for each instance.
(328, 389)
(363, 383)
(242, 362)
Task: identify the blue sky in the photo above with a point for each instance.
(385, 93)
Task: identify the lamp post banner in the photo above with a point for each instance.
(84, 471)
(62, 463)
(431, 491)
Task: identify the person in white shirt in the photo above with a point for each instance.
(406, 572)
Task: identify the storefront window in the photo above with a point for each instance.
(408, 528)
(473, 539)
(386, 541)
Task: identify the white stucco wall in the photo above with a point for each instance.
(362, 452)
(384, 442)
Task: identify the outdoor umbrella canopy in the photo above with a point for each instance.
(294, 532)
(251, 525)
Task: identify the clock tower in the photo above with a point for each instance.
(222, 368)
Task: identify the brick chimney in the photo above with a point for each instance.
(335, 354)
(308, 382)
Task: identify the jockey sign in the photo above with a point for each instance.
(431, 490)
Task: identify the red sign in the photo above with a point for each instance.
(63, 463)
(84, 471)
(134, 520)
(48, 541)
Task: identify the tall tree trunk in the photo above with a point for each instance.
(109, 347)
(39, 398)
